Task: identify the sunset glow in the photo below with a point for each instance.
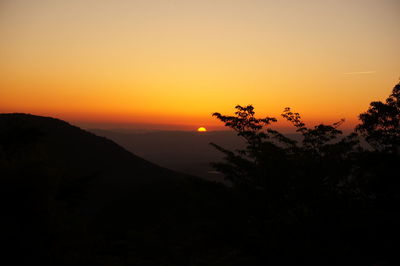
(174, 63)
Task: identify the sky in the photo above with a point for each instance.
(170, 64)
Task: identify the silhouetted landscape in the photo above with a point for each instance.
(200, 132)
(183, 151)
(71, 197)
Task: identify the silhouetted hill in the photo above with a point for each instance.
(132, 209)
(78, 152)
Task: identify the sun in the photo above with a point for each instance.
(201, 129)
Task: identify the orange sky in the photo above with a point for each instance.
(103, 63)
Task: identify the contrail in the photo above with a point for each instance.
(360, 72)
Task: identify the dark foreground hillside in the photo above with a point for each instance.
(69, 197)
(72, 198)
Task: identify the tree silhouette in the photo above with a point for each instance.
(324, 191)
(242, 167)
(378, 169)
(380, 125)
(274, 162)
(289, 187)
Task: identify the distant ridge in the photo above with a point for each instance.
(117, 172)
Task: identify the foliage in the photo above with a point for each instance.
(380, 125)
(277, 163)
(324, 188)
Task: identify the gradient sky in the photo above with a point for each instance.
(112, 63)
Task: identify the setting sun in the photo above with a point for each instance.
(201, 129)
